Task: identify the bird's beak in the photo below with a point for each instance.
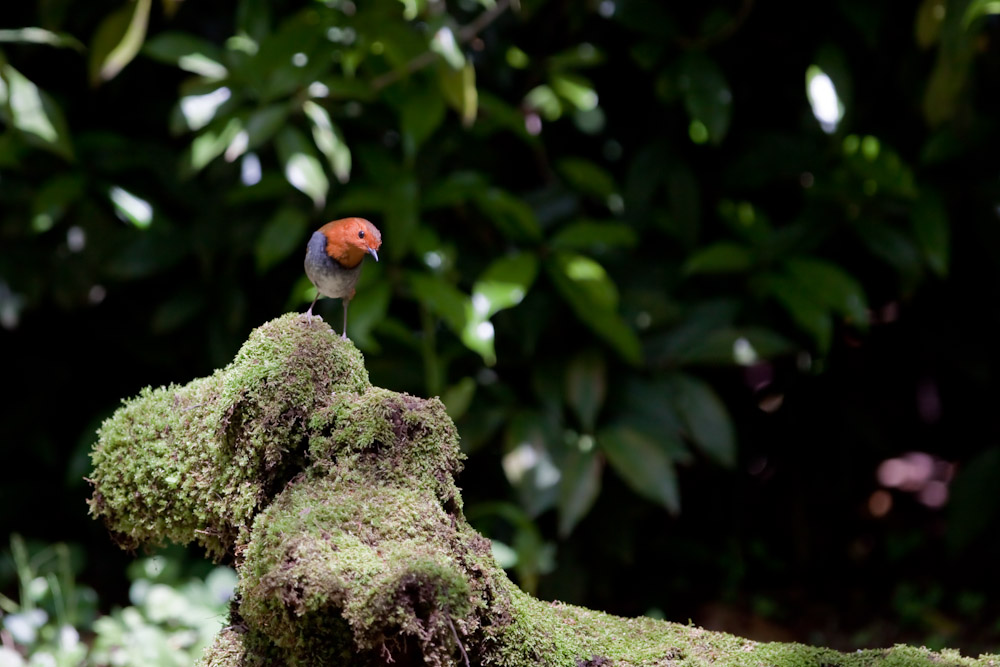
(373, 253)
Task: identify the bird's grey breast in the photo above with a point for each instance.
(329, 277)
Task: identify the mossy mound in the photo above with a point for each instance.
(337, 501)
(196, 463)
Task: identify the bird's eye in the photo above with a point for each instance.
(361, 234)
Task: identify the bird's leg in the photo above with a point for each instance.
(344, 335)
(309, 313)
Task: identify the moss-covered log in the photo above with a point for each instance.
(337, 502)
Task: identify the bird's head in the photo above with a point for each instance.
(348, 240)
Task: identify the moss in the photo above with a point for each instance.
(396, 439)
(226, 650)
(330, 554)
(339, 503)
(196, 463)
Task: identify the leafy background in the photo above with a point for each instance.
(711, 358)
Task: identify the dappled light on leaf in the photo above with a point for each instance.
(33, 112)
(302, 169)
(188, 53)
(744, 353)
(212, 143)
(826, 105)
(118, 39)
(199, 110)
(130, 208)
(329, 140)
(444, 44)
(250, 169)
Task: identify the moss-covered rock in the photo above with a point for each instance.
(338, 503)
(196, 463)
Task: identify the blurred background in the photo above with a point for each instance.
(709, 288)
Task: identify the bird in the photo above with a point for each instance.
(334, 256)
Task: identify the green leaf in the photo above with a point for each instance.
(498, 116)
(513, 217)
(646, 407)
(798, 302)
(947, 81)
(544, 100)
(742, 346)
(974, 505)
(287, 35)
(117, 40)
(200, 103)
(253, 18)
(586, 387)
(302, 169)
(831, 286)
(130, 208)
(210, 144)
(504, 283)
(190, 53)
(698, 323)
(978, 9)
(707, 96)
(34, 113)
(928, 24)
(459, 90)
(893, 247)
(931, 229)
(588, 289)
(281, 235)
(345, 88)
(589, 280)
(458, 397)
(456, 188)
(421, 114)
(643, 464)
(594, 236)
(528, 463)
(32, 35)
(478, 335)
(746, 220)
(587, 177)
(440, 297)
(263, 124)
(329, 140)
(579, 486)
(581, 55)
(445, 45)
(722, 257)
(54, 199)
(576, 90)
(705, 418)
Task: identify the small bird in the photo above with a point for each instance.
(334, 255)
